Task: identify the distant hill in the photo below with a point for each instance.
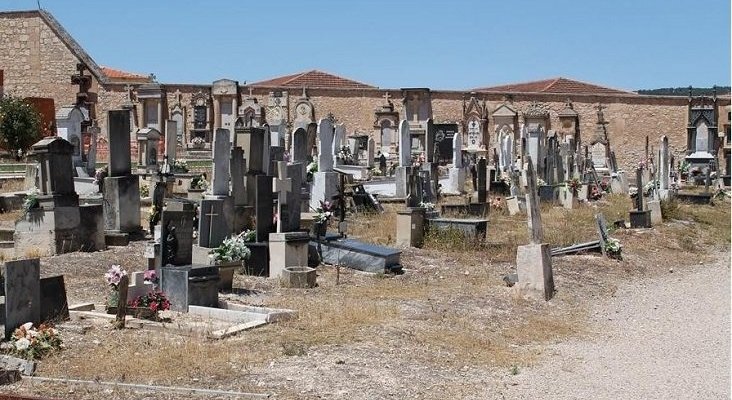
(684, 91)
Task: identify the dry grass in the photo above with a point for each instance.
(375, 228)
(9, 218)
(12, 185)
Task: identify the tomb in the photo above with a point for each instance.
(702, 139)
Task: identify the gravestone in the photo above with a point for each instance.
(300, 149)
(22, 293)
(457, 172)
(190, 285)
(221, 156)
(282, 185)
(325, 181)
(68, 126)
(121, 188)
(171, 140)
(405, 159)
(54, 305)
(237, 170)
(533, 261)
(263, 208)
(482, 180)
(664, 170)
(251, 140)
(212, 228)
(640, 217)
(291, 216)
(370, 146)
(178, 218)
(599, 155)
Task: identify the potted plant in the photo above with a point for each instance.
(322, 216)
(613, 248)
(113, 276)
(312, 168)
(230, 255)
(179, 167)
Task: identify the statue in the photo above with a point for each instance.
(171, 246)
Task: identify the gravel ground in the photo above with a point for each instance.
(659, 338)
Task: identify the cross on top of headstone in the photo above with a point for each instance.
(251, 89)
(282, 184)
(211, 214)
(386, 96)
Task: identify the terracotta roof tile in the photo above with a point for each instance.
(555, 85)
(118, 75)
(313, 79)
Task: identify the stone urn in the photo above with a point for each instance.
(298, 277)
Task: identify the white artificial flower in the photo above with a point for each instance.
(27, 325)
(22, 344)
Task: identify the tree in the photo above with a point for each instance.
(20, 125)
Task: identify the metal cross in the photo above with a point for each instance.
(282, 185)
(211, 214)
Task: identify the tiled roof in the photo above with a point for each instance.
(555, 85)
(119, 75)
(313, 79)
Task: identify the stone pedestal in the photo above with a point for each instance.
(298, 277)
(48, 232)
(567, 198)
(654, 206)
(410, 227)
(456, 182)
(640, 219)
(289, 249)
(534, 268)
(122, 204)
(325, 187)
(401, 179)
(513, 205)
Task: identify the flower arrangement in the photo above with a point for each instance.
(114, 277)
(31, 199)
(311, 169)
(100, 174)
(495, 203)
(231, 249)
(648, 187)
(345, 155)
(540, 182)
(573, 184)
(376, 172)
(427, 205)
(151, 276)
(199, 183)
(249, 235)
(144, 190)
(613, 248)
(32, 343)
(197, 142)
(155, 301)
(324, 212)
(180, 166)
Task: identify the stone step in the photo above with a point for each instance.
(7, 244)
(6, 234)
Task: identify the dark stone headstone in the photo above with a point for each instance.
(291, 211)
(263, 208)
(211, 226)
(120, 163)
(190, 285)
(22, 293)
(54, 305)
(482, 180)
(182, 222)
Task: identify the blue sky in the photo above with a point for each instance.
(627, 44)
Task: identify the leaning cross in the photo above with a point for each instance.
(282, 185)
(211, 216)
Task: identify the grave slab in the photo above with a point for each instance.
(361, 256)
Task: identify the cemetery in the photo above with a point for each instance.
(242, 253)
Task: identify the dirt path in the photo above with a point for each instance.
(660, 338)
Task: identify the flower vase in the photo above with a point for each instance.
(319, 229)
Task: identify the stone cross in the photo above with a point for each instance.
(250, 91)
(282, 184)
(536, 232)
(639, 183)
(386, 96)
(211, 214)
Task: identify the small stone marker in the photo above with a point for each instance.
(22, 293)
(119, 322)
